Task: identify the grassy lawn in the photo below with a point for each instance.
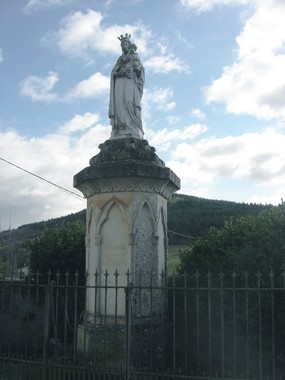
(173, 257)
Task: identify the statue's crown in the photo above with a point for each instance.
(126, 37)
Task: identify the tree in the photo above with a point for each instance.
(60, 248)
(248, 243)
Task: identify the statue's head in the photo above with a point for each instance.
(125, 38)
(125, 41)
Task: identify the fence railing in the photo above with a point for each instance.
(202, 326)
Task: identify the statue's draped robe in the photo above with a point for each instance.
(127, 82)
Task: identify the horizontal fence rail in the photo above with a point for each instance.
(132, 326)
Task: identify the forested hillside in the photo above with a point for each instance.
(187, 215)
(194, 216)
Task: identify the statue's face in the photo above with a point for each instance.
(125, 45)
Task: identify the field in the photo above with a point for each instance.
(173, 256)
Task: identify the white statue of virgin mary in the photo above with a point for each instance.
(127, 82)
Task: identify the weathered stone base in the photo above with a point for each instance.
(150, 346)
(140, 347)
(102, 345)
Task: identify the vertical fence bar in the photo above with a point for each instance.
(138, 350)
(247, 323)
(197, 275)
(185, 324)
(18, 321)
(222, 305)
(209, 275)
(27, 308)
(151, 319)
(46, 332)
(36, 315)
(116, 274)
(259, 323)
(75, 318)
(273, 323)
(128, 291)
(65, 317)
(174, 321)
(105, 314)
(234, 276)
(97, 289)
(86, 293)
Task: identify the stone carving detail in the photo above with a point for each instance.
(125, 149)
(87, 241)
(127, 164)
(155, 239)
(98, 239)
(147, 185)
(133, 238)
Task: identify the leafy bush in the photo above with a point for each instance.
(60, 248)
(247, 244)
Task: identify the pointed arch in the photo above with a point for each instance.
(144, 204)
(105, 211)
(162, 218)
(89, 219)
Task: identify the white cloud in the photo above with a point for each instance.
(255, 157)
(197, 113)
(160, 98)
(200, 163)
(55, 157)
(82, 34)
(165, 138)
(96, 84)
(34, 5)
(166, 63)
(207, 5)
(1, 56)
(171, 119)
(40, 88)
(255, 83)
(80, 123)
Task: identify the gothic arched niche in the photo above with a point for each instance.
(145, 260)
(162, 235)
(114, 228)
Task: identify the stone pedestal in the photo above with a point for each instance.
(127, 187)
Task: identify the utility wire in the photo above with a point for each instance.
(69, 191)
(46, 180)
(177, 233)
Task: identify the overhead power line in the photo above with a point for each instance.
(69, 191)
(177, 233)
(46, 180)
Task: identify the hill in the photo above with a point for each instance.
(187, 215)
(193, 216)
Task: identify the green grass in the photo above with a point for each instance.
(173, 257)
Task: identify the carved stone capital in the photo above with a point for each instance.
(133, 238)
(98, 240)
(163, 187)
(87, 241)
(126, 165)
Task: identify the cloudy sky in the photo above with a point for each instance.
(213, 105)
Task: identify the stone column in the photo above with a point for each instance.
(127, 187)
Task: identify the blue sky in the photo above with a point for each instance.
(213, 104)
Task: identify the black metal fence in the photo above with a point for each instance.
(194, 326)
